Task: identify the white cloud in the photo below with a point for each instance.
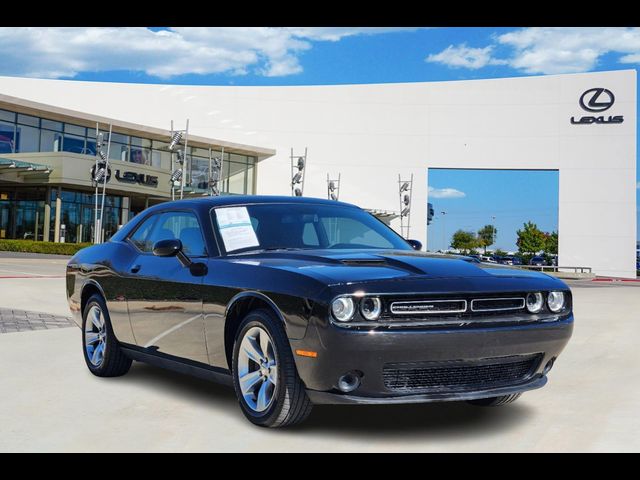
(638, 185)
(64, 52)
(549, 50)
(445, 193)
(467, 57)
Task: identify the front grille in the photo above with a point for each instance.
(454, 309)
(460, 375)
(497, 304)
(428, 307)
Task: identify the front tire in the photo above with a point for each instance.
(101, 350)
(265, 378)
(495, 401)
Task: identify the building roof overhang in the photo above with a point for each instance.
(52, 112)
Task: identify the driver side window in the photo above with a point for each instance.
(141, 237)
(183, 226)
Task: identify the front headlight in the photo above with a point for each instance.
(535, 302)
(343, 309)
(371, 308)
(555, 300)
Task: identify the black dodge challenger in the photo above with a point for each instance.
(301, 301)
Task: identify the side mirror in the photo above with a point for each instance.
(415, 244)
(171, 248)
(167, 248)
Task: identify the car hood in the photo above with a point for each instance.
(357, 266)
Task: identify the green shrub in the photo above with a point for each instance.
(31, 246)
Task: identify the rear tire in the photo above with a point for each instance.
(495, 401)
(101, 350)
(265, 378)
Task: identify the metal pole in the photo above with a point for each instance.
(95, 209)
(221, 179)
(493, 230)
(400, 203)
(304, 170)
(444, 230)
(104, 186)
(210, 176)
(410, 205)
(184, 162)
(172, 168)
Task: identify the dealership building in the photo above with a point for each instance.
(581, 125)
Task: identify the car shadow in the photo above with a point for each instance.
(419, 421)
(364, 422)
(180, 385)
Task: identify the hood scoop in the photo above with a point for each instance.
(364, 262)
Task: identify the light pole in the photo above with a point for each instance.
(444, 230)
(493, 230)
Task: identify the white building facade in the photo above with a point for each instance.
(583, 125)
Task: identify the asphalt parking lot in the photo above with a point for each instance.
(50, 402)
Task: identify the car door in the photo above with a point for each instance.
(164, 298)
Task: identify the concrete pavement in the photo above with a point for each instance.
(50, 401)
(33, 283)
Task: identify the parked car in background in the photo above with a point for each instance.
(299, 301)
(538, 261)
(510, 260)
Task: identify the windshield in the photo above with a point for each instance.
(302, 226)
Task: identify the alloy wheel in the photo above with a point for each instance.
(95, 336)
(257, 369)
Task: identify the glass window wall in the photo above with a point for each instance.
(25, 133)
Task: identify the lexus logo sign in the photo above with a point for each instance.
(597, 100)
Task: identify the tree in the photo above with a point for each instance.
(486, 236)
(464, 241)
(530, 239)
(551, 243)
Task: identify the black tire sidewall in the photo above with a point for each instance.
(263, 320)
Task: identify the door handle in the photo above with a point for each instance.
(135, 268)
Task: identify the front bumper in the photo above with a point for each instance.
(319, 398)
(341, 351)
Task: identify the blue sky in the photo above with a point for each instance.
(515, 196)
(330, 55)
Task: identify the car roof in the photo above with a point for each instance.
(225, 200)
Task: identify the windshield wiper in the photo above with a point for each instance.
(267, 249)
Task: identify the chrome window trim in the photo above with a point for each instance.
(429, 312)
(497, 309)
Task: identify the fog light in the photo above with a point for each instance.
(349, 382)
(549, 366)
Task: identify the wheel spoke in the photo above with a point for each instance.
(252, 349)
(273, 376)
(248, 382)
(91, 337)
(263, 399)
(96, 358)
(265, 345)
(95, 319)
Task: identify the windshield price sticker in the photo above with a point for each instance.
(235, 228)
